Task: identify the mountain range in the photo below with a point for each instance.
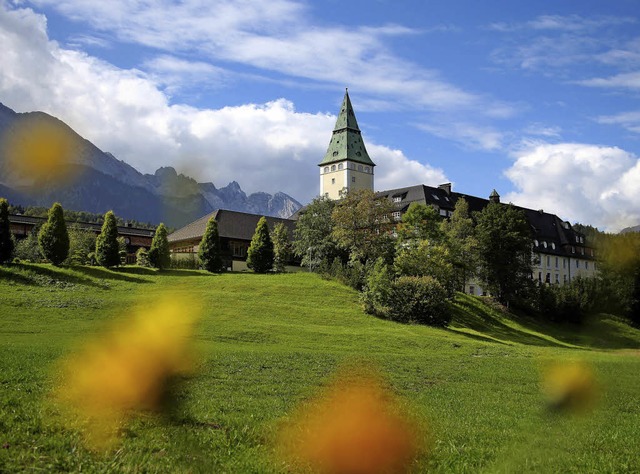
(102, 182)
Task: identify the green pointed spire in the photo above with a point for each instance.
(346, 141)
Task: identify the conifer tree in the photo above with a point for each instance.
(260, 253)
(209, 251)
(6, 243)
(281, 247)
(107, 247)
(159, 255)
(53, 237)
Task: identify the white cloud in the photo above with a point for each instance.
(279, 36)
(265, 147)
(591, 184)
(470, 136)
(629, 120)
(629, 80)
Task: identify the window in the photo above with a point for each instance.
(397, 199)
(443, 213)
(335, 153)
(586, 265)
(353, 179)
(333, 180)
(557, 278)
(435, 197)
(340, 166)
(564, 279)
(540, 276)
(564, 263)
(573, 249)
(557, 262)
(577, 263)
(582, 240)
(553, 245)
(536, 243)
(333, 167)
(326, 169)
(472, 290)
(366, 169)
(544, 244)
(548, 278)
(548, 261)
(577, 239)
(397, 215)
(359, 167)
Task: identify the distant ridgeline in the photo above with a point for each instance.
(102, 182)
(78, 216)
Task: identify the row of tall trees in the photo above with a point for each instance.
(59, 244)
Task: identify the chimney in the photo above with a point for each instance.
(446, 187)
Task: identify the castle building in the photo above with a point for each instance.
(560, 252)
(346, 166)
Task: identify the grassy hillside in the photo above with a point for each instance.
(268, 342)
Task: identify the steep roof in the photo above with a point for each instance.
(231, 225)
(346, 142)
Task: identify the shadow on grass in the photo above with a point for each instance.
(472, 313)
(190, 273)
(40, 275)
(105, 274)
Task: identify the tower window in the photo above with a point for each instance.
(326, 169)
(333, 167)
(353, 179)
(340, 166)
(335, 153)
(358, 153)
(366, 170)
(333, 180)
(359, 167)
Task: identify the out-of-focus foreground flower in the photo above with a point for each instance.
(128, 369)
(354, 426)
(38, 149)
(570, 387)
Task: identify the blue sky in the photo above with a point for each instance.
(536, 99)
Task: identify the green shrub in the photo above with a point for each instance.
(419, 300)
(142, 257)
(184, 261)
(81, 244)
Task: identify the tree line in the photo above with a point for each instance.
(406, 269)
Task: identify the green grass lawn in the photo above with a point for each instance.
(266, 343)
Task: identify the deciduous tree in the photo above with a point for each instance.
(53, 237)
(505, 252)
(461, 240)
(281, 247)
(313, 241)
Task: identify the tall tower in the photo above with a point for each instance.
(346, 165)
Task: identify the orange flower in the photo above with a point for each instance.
(128, 369)
(570, 387)
(353, 427)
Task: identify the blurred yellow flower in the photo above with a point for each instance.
(354, 426)
(128, 369)
(38, 149)
(570, 387)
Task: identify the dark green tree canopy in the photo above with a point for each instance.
(107, 246)
(209, 251)
(159, 254)
(281, 247)
(53, 237)
(505, 251)
(418, 223)
(313, 241)
(6, 243)
(260, 253)
(362, 226)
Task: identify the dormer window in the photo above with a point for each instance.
(553, 245)
(335, 153)
(536, 243)
(397, 199)
(435, 197)
(544, 244)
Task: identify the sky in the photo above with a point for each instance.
(539, 100)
